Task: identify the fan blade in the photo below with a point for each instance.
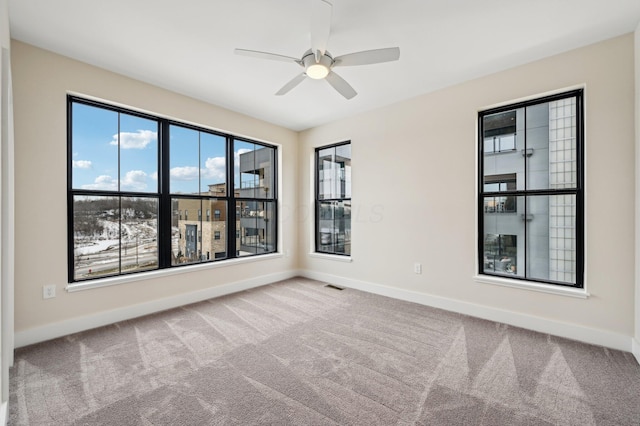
(340, 85)
(320, 26)
(291, 84)
(367, 57)
(266, 55)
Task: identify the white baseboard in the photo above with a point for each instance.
(543, 325)
(561, 329)
(75, 325)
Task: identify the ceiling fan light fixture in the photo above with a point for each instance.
(317, 71)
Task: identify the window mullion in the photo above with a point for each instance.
(165, 213)
(232, 220)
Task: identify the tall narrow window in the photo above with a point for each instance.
(333, 199)
(530, 212)
(133, 179)
(255, 201)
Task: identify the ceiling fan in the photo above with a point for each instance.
(317, 62)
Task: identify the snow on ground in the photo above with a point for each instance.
(95, 247)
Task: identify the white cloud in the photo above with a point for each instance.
(135, 140)
(215, 169)
(81, 164)
(184, 173)
(135, 180)
(103, 182)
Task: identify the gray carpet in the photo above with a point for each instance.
(300, 353)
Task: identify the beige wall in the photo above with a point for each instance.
(414, 189)
(41, 82)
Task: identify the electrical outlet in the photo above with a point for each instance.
(417, 268)
(49, 291)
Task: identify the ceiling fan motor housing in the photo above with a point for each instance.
(317, 69)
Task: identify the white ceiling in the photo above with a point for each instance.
(187, 46)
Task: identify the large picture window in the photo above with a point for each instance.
(530, 211)
(333, 199)
(138, 187)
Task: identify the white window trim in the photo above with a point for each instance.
(160, 273)
(327, 256)
(580, 293)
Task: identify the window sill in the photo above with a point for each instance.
(336, 257)
(579, 293)
(160, 273)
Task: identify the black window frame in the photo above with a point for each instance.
(577, 191)
(163, 194)
(317, 202)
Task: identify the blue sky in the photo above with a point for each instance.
(195, 156)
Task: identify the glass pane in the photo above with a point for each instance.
(184, 173)
(109, 240)
(187, 241)
(138, 142)
(563, 169)
(214, 230)
(254, 175)
(334, 227)
(213, 156)
(94, 148)
(334, 172)
(504, 238)
(503, 144)
(551, 237)
(96, 236)
(256, 227)
(245, 180)
(343, 158)
(537, 150)
(139, 234)
(500, 204)
(551, 145)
